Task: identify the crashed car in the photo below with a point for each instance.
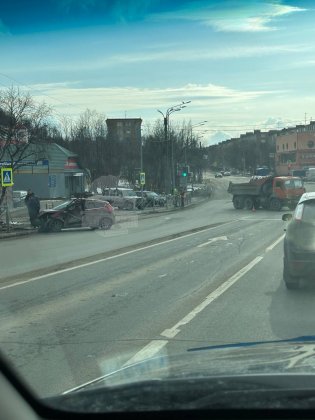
(77, 212)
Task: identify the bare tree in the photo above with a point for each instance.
(22, 125)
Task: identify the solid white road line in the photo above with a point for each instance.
(270, 247)
(147, 351)
(172, 332)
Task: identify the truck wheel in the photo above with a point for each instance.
(248, 203)
(238, 202)
(275, 204)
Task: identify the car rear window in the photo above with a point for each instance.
(308, 211)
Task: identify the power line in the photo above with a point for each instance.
(38, 90)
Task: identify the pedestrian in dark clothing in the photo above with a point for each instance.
(33, 206)
(28, 195)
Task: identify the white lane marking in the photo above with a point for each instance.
(270, 247)
(154, 346)
(172, 332)
(65, 270)
(219, 238)
(147, 351)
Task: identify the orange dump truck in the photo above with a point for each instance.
(269, 192)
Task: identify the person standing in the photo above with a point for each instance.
(33, 206)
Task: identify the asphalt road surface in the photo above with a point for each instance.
(87, 303)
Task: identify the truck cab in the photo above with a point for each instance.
(287, 190)
(268, 192)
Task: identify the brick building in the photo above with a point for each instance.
(124, 129)
(295, 148)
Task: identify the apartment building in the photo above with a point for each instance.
(295, 148)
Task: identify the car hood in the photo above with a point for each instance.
(49, 211)
(291, 356)
(245, 375)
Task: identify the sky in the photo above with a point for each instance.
(243, 65)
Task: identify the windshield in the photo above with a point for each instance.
(128, 193)
(293, 183)
(63, 205)
(188, 118)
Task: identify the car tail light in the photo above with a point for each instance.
(299, 213)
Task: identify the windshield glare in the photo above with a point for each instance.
(63, 205)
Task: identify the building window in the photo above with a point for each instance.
(287, 146)
(278, 147)
(283, 146)
(295, 145)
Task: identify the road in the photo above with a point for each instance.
(205, 275)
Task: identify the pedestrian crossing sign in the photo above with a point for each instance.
(142, 178)
(6, 177)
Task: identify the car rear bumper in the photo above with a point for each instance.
(302, 267)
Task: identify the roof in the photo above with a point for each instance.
(67, 152)
(307, 197)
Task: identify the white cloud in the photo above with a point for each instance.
(228, 16)
(174, 54)
(72, 100)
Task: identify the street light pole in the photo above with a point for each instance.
(166, 117)
(191, 135)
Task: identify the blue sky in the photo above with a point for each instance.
(244, 65)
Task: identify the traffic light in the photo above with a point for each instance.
(185, 171)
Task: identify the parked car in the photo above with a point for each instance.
(299, 242)
(150, 199)
(218, 175)
(77, 212)
(18, 198)
(227, 173)
(123, 198)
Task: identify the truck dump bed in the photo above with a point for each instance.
(244, 189)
